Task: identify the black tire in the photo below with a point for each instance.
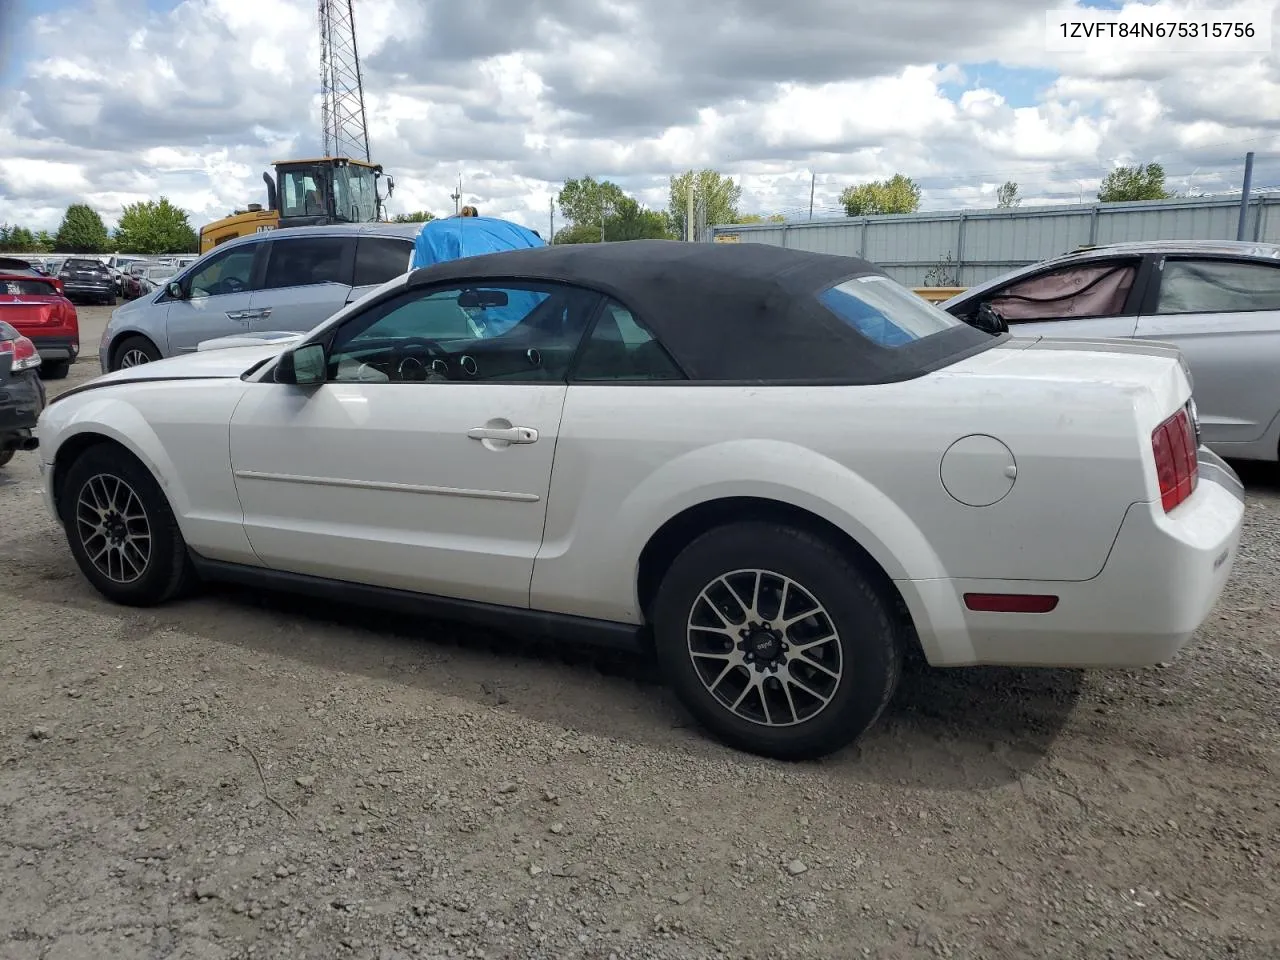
(167, 571)
(54, 369)
(868, 641)
(6, 456)
(141, 344)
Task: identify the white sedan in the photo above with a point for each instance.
(775, 471)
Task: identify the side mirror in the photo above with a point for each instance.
(304, 365)
(988, 320)
(174, 289)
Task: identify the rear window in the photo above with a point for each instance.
(95, 265)
(31, 288)
(885, 313)
(379, 259)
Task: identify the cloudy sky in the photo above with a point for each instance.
(113, 101)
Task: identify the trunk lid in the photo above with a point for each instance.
(1154, 376)
(1141, 367)
(28, 311)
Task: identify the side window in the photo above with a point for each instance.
(303, 261)
(1081, 290)
(620, 349)
(230, 272)
(1217, 286)
(511, 331)
(379, 259)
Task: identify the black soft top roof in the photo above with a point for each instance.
(743, 312)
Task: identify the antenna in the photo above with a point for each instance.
(346, 131)
(456, 196)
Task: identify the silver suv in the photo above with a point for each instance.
(289, 279)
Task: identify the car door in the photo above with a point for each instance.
(215, 300)
(1087, 299)
(424, 461)
(306, 280)
(1224, 314)
(379, 259)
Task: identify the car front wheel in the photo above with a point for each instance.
(775, 640)
(134, 351)
(121, 530)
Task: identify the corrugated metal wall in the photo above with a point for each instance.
(961, 248)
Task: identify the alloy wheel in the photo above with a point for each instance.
(113, 528)
(765, 647)
(133, 358)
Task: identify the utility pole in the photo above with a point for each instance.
(602, 216)
(551, 237)
(1244, 194)
(813, 179)
(456, 196)
(688, 216)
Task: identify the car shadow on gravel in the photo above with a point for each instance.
(951, 729)
(948, 729)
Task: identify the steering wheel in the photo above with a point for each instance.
(408, 366)
(230, 285)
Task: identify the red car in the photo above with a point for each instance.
(34, 304)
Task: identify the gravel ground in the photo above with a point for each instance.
(250, 776)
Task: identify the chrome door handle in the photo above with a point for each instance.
(509, 434)
(262, 314)
(241, 315)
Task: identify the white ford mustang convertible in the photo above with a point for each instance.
(775, 472)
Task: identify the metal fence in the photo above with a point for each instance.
(964, 247)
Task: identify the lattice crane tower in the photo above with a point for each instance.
(346, 131)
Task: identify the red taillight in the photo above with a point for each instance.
(1010, 602)
(24, 353)
(1177, 466)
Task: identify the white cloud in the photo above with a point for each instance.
(515, 96)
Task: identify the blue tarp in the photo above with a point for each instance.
(455, 237)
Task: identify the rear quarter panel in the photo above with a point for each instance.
(867, 459)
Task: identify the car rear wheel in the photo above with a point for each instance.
(121, 529)
(133, 351)
(54, 369)
(775, 640)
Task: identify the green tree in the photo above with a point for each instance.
(1143, 182)
(45, 241)
(1007, 195)
(418, 216)
(155, 226)
(718, 193)
(589, 201)
(82, 231)
(756, 218)
(15, 239)
(898, 194)
(600, 209)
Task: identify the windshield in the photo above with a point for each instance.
(355, 194)
(884, 312)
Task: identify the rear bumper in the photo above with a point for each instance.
(57, 347)
(89, 291)
(1161, 581)
(22, 397)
